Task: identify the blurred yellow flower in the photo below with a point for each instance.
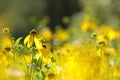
(5, 30)
(109, 32)
(46, 52)
(6, 55)
(53, 73)
(61, 35)
(6, 51)
(46, 34)
(102, 48)
(51, 76)
(80, 65)
(104, 30)
(33, 38)
(80, 58)
(88, 25)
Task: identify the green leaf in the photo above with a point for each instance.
(17, 41)
(42, 75)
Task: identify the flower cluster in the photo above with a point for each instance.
(92, 54)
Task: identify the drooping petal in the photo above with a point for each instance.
(26, 39)
(31, 39)
(38, 44)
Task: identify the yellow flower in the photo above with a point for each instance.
(104, 30)
(104, 51)
(51, 76)
(109, 32)
(53, 73)
(88, 25)
(6, 55)
(5, 30)
(101, 41)
(6, 51)
(44, 53)
(78, 64)
(61, 35)
(102, 48)
(46, 34)
(33, 38)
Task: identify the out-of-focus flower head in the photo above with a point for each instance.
(6, 52)
(105, 30)
(90, 24)
(6, 45)
(33, 39)
(102, 48)
(5, 30)
(46, 33)
(61, 35)
(109, 32)
(78, 64)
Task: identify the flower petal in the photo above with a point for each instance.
(31, 39)
(26, 39)
(38, 44)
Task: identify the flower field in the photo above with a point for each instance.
(60, 40)
(92, 52)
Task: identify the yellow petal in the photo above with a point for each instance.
(38, 44)
(26, 39)
(46, 52)
(31, 39)
(27, 58)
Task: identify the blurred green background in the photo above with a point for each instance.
(23, 15)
